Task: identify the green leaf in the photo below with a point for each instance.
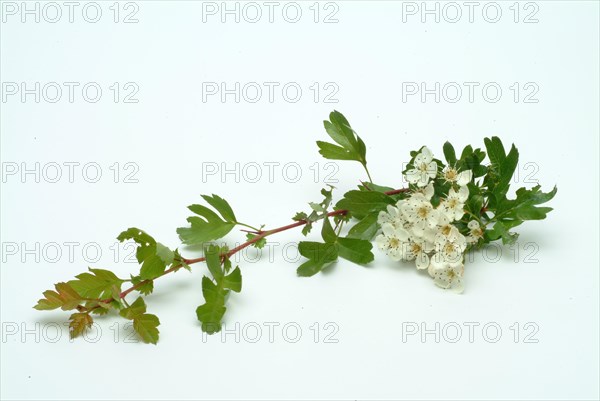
(210, 315)
(97, 284)
(152, 267)
(146, 327)
(146, 244)
(144, 324)
(221, 206)
(530, 212)
(351, 147)
(213, 261)
(319, 256)
(355, 250)
(258, 244)
(507, 169)
(369, 186)
(300, 216)
(146, 287)
(164, 253)
(449, 153)
(153, 255)
(79, 323)
(135, 309)
(233, 281)
(65, 298)
(365, 228)
(362, 203)
(495, 150)
(334, 152)
(212, 311)
(208, 225)
(525, 198)
(327, 231)
(500, 231)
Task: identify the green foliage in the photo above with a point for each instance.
(79, 323)
(363, 203)
(65, 297)
(349, 145)
(153, 256)
(99, 291)
(320, 255)
(144, 324)
(319, 210)
(97, 284)
(215, 291)
(257, 244)
(208, 225)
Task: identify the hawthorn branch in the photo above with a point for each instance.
(261, 234)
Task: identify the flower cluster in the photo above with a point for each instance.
(416, 229)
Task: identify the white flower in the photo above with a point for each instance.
(453, 205)
(392, 240)
(449, 250)
(447, 277)
(393, 216)
(475, 232)
(424, 168)
(425, 192)
(452, 175)
(420, 212)
(418, 249)
(447, 232)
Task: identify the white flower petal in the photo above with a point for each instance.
(464, 177)
(412, 175)
(463, 193)
(422, 261)
(427, 156)
(428, 191)
(473, 224)
(388, 230)
(432, 169)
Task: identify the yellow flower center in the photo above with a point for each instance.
(422, 212)
(446, 230)
(451, 174)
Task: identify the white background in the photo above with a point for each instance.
(171, 131)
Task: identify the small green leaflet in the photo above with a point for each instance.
(501, 231)
(319, 210)
(320, 255)
(355, 250)
(97, 284)
(208, 225)
(362, 203)
(349, 145)
(258, 244)
(503, 167)
(144, 324)
(79, 323)
(523, 207)
(449, 153)
(145, 286)
(153, 256)
(65, 297)
(366, 228)
(215, 292)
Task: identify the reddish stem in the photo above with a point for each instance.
(235, 250)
